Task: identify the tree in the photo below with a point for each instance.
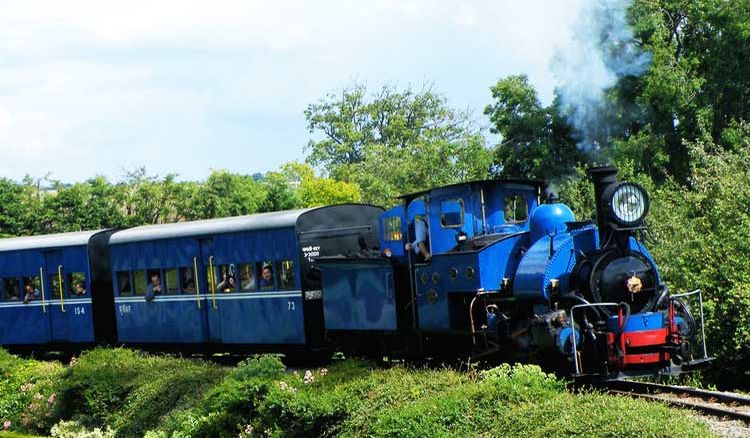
(394, 141)
(534, 141)
(313, 191)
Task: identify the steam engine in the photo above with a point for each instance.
(509, 277)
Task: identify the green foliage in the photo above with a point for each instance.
(124, 393)
(130, 391)
(534, 141)
(394, 141)
(29, 398)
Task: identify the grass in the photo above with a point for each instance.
(136, 394)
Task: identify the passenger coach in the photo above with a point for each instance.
(55, 290)
(247, 282)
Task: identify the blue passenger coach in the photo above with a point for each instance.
(55, 290)
(249, 282)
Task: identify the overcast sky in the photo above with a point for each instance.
(95, 87)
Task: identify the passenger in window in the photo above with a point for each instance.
(228, 283)
(421, 244)
(154, 287)
(248, 279)
(80, 288)
(266, 280)
(31, 293)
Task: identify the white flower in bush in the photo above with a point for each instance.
(309, 377)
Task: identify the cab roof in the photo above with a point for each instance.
(538, 184)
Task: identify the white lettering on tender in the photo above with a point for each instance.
(311, 252)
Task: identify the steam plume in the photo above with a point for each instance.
(602, 51)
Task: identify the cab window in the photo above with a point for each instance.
(392, 229)
(452, 213)
(516, 209)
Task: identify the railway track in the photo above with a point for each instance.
(720, 404)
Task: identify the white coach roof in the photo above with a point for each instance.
(47, 241)
(260, 221)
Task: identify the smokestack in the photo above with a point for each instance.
(602, 178)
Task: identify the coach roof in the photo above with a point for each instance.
(46, 241)
(260, 221)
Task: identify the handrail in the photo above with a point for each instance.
(700, 309)
(576, 368)
(60, 287)
(197, 283)
(213, 281)
(41, 284)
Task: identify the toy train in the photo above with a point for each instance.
(496, 274)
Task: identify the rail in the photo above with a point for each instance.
(722, 404)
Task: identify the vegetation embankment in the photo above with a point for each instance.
(117, 392)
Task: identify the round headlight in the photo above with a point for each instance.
(629, 203)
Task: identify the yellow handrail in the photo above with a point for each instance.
(60, 286)
(41, 284)
(212, 282)
(196, 282)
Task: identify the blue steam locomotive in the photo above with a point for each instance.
(480, 269)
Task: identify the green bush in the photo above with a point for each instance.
(29, 396)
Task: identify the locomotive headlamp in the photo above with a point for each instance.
(629, 203)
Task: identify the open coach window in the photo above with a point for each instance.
(286, 275)
(452, 213)
(516, 209)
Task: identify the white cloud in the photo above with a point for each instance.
(183, 86)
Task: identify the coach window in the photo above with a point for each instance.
(227, 278)
(516, 209)
(248, 282)
(170, 278)
(55, 288)
(141, 281)
(11, 288)
(392, 229)
(286, 275)
(124, 285)
(452, 213)
(187, 280)
(76, 284)
(31, 290)
(266, 275)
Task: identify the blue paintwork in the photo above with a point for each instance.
(260, 317)
(564, 339)
(41, 323)
(549, 219)
(359, 295)
(538, 266)
(490, 265)
(638, 322)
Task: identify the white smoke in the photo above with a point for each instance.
(601, 52)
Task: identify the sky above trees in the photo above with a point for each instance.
(91, 87)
